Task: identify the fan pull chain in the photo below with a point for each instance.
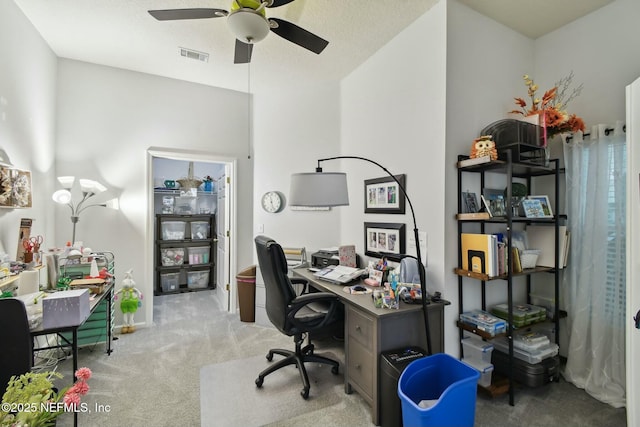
(249, 109)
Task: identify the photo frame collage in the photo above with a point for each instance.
(385, 195)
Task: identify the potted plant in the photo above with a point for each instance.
(31, 399)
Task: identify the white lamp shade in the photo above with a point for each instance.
(112, 204)
(319, 189)
(66, 181)
(248, 25)
(62, 196)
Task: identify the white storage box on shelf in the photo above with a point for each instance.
(173, 230)
(199, 230)
(476, 350)
(529, 258)
(199, 254)
(198, 279)
(172, 256)
(485, 369)
(534, 356)
(531, 341)
(65, 308)
(549, 303)
(170, 282)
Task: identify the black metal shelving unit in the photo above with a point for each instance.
(510, 169)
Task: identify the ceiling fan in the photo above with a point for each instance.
(248, 22)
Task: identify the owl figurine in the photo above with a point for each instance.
(484, 146)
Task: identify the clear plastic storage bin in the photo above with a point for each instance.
(198, 279)
(173, 230)
(199, 230)
(169, 282)
(533, 356)
(171, 256)
(476, 350)
(199, 254)
(485, 370)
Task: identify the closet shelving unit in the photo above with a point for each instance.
(510, 169)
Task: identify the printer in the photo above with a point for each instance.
(324, 258)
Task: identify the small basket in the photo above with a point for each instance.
(529, 257)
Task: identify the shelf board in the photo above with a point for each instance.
(499, 385)
(486, 278)
(474, 330)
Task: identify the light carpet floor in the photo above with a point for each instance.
(241, 404)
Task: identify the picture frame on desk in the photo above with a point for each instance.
(546, 205)
(384, 195)
(383, 239)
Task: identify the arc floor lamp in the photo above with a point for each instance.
(322, 189)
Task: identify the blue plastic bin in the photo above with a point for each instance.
(448, 383)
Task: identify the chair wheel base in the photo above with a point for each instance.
(334, 370)
(305, 393)
(259, 382)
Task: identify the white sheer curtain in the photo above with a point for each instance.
(594, 282)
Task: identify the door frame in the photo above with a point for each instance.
(226, 297)
(632, 341)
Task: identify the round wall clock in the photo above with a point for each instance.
(272, 201)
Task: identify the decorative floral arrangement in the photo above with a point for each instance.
(31, 399)
(553, 104)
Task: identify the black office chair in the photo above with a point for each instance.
(16, 355)
(293, 315)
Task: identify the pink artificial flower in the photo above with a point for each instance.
(71, 399)
(81, 388)
(83, 374)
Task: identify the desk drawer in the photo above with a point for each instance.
(361, 368)
(360, 328)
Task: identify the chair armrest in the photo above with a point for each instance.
(306, 299)
(300, 281)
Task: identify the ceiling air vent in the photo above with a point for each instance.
(194, 54)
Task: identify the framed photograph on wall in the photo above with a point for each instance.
(383, 239)
(383, 195)
(546, 205)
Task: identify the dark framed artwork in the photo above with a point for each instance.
(383, 195)
(384, 239)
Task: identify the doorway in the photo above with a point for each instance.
(172, 165)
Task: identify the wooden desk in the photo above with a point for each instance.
(369, 331)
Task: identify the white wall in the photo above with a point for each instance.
(392, 113)
(295, 126)
(602, 50)
(27, 120)
(485, 64)
(108, 118)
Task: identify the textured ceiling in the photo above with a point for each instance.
(120, 33)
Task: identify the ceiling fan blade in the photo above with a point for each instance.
(299, 36)
(175, 14)
(278, 3)
(242, 53)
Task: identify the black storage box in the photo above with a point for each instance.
(532, 375)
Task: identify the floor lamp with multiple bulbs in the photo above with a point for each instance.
(329, 189)
(89, 189)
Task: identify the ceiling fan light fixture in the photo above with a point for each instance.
(248, 26)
